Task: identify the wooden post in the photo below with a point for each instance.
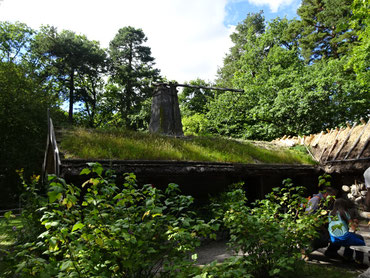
(44, 164)
(334, 144)
(364, 147)
(344, 142)
(358, 139)
(324, 149)
(318, 139)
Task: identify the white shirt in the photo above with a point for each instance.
(367, 178)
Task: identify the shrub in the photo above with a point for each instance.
(110, 231)
(196, 124)
(269, 236)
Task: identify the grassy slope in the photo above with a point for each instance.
(119, 144)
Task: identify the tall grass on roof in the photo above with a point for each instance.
(130, 145)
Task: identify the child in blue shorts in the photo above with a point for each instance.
(339, 222)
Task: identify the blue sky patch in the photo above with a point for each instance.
(237, 11)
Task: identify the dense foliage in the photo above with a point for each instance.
(296, 74)
(299, 76)
(23, 126)
(269, 236)
(109, 229)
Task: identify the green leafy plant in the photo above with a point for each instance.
(112, 231)
(324, 181)
(269, 236)
(196, 124)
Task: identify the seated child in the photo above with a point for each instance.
(339, 221)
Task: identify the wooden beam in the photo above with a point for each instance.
(199, 87)
(334, 144)
(344, 142)
(358, 139)
(364, 147)
(209, 88)
(318, 139)
(324, 149)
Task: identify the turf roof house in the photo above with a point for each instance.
(196, 178)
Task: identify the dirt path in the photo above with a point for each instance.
(217, 250)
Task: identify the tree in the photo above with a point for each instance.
(266, 67)
(194, 100)
(246, 34)
(23, 127)
(70, 57)
(360, 56)
(90, 92)
(132, 71)
(326, 33)
(323, 95)
(15, 40)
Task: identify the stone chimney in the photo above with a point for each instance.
(166, 117)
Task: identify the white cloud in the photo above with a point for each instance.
(273, 4)
(187, 37)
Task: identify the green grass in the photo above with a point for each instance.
(7, 231)
(129, 145)
(7, 239)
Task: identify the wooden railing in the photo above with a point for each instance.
(52, 161)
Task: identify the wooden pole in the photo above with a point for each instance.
(364, 147)
(357, 140)
(344, 142)
(324, 149)
(44, 164)
(199, 87)
(318, 139)
(334, 144)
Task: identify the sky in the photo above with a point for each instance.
(188, 38)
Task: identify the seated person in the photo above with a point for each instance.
(312, 206)
(339, 223)
(314, 202)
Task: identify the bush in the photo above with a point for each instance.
(105, 230)
(270, 235)
(110, 231)
(196, 124)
